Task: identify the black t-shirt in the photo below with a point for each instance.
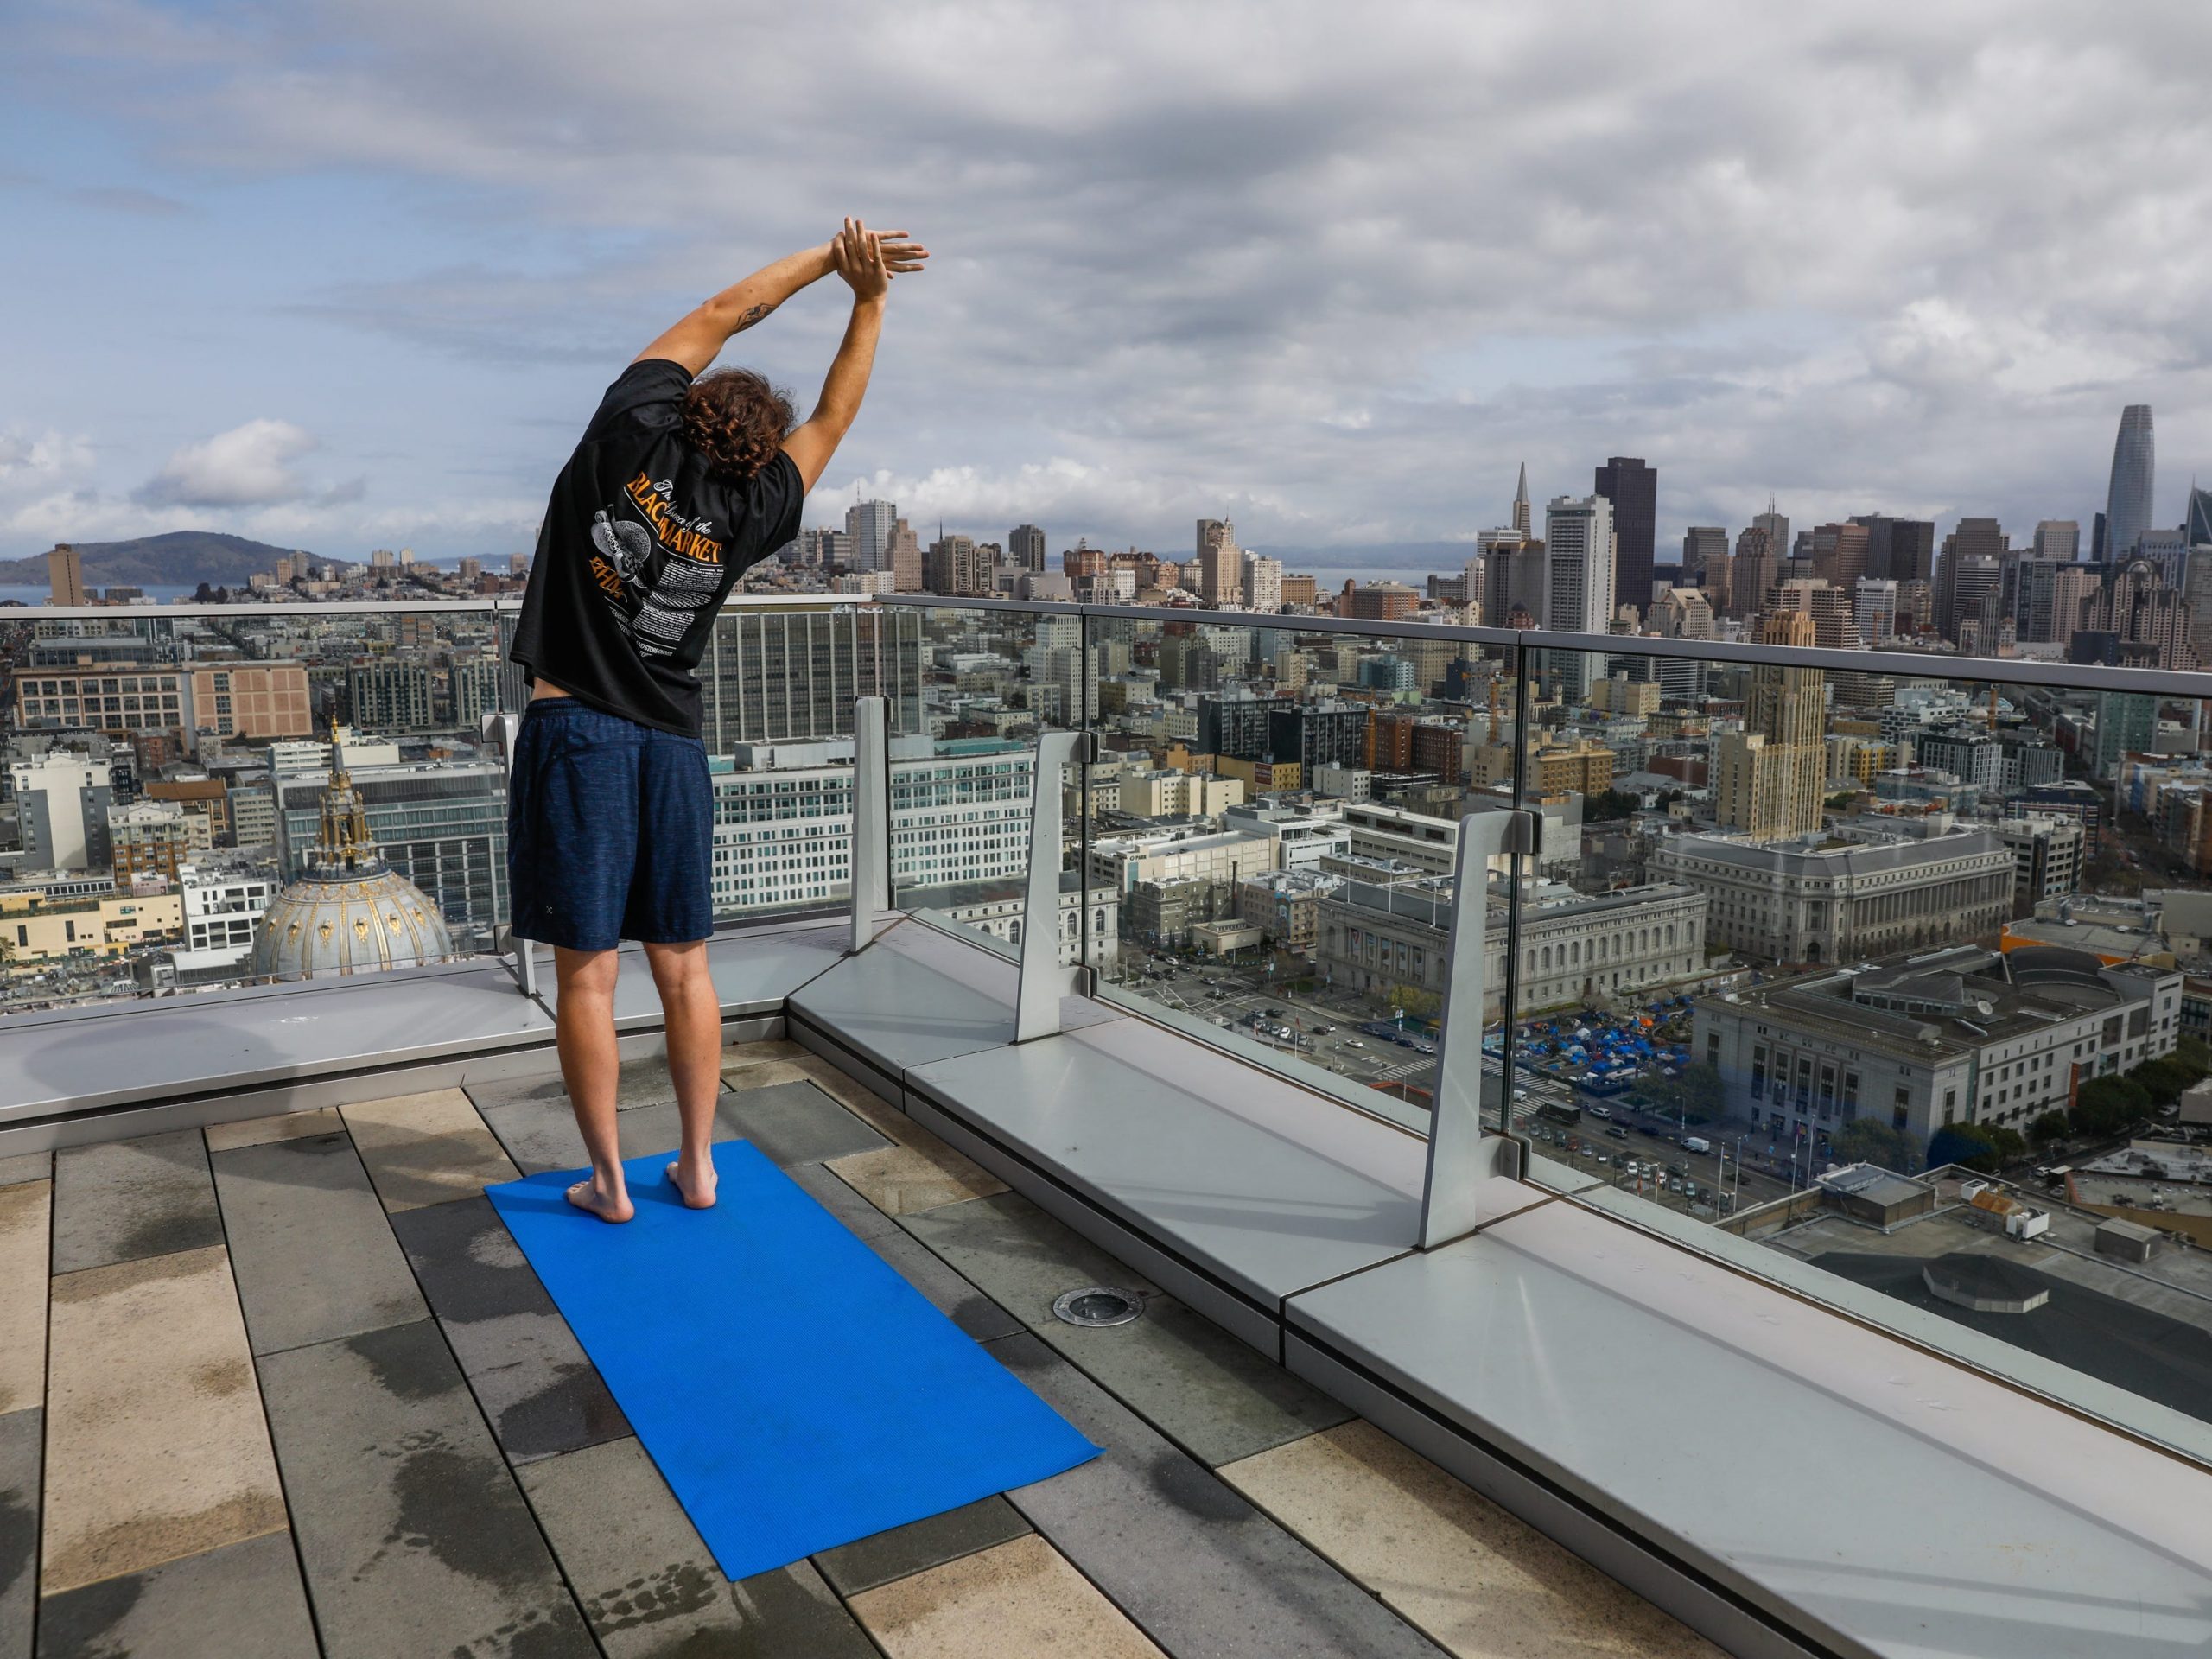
(639, 549)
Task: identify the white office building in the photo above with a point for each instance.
(62, 798)
(783, 819)
(871, 524)
(220, 906)
(1577, 585)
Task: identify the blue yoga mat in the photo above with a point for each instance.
(796, 1392)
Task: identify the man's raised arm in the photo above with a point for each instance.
(867, 260)
(699, 337)
(696, 339)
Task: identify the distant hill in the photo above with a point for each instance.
(189, 556)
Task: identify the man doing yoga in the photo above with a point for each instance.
(683, 480)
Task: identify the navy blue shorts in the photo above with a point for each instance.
(610, 830)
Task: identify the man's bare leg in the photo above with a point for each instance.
(584, 1034)
(693, 1015)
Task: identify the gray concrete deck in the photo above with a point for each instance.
(363, 1428)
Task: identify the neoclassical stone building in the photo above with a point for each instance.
(1575, 947)
(1830, 901)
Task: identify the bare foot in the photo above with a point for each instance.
(586, 1195)
(698, 1191)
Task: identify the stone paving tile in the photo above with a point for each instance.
(1210, 1393)
(312, 1251)
(796, 1122)
(861, 1217)
(801, 1065)
(923, 1174)
(1184, 1556)
(920, 1545)
(124, 1199)
(26, 1211)
(1482, 1583)
(23, 1441)
(1020, 1598)
(950, 1295)
(285, 1126)
(532, 1379)
(537, 1135)
(155, 1443)
(637, 1083)
(417, 1540)
(26, 1166)
(426, 1148)
(242, 1601)
(541, 1134)
(649, 1586)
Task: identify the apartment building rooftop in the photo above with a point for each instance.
(1946, 1003)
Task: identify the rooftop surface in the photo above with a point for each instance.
(287, 1386)
(2147, 1327)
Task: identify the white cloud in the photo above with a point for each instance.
(248, 465)
(32, 457)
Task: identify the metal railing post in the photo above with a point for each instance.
(871, 842)
(1460, 1155)
(1043, 982)
(499, 729)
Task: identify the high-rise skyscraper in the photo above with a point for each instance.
(1633, 490)
(871, 524)
(1752, 576)
(2134, 469)
(1262, 583)
(1026, 547)
(1874, 609)
(65, 575)
(1839, 554)
(1776, 526)
(1971, 570)
(2058, 540)
(2198, 529)
(1767, 778)
(1705, 563)
(1521, 521)
(1513, 578)
(955, 566)
(1221, 565)
(906, 560)
(1579, 592)
(1899, 549)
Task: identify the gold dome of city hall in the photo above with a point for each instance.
(350, 912)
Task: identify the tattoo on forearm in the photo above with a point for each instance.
(752, 315)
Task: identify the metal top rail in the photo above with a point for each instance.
(1920, 666)
(500, 605)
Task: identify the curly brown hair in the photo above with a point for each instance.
(737, 420)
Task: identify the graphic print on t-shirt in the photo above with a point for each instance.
(657, 574)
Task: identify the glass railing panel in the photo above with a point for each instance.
(1274, 821)
(1924, 1039)
(777, 685)
(169, 771)
(987, 684)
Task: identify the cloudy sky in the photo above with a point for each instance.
(351, 275)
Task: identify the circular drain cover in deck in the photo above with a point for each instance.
(1098, 1306)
